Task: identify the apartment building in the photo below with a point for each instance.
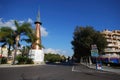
(4, 51)
(112, 52)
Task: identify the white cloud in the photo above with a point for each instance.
(55, 51)
(30, 20)
(43, 31)
(50, 50)
(10, 23)
(21, 22)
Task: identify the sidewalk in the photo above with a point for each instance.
(104, 68)
(24, 65)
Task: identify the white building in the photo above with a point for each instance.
(113, 47)
(4, 51)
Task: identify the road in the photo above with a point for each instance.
(55, 72)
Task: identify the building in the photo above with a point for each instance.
(18, 52)
(4, 51)
(112, 51)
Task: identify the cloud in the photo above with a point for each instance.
(30, 20)
(10, 23)
(50, 50)
(43, 31)
(55, 51)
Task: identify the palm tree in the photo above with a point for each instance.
(12, 37)
(23, 29)
(6, 37)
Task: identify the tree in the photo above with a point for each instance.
(52, 57)
(23, 29)
(25, 50)
(6, 37)
(83, 38)
(13, 36)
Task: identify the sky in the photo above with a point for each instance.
(60, 17)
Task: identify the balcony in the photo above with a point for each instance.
(118, 38)
(113, 45)
(109, 40)
(112, 50)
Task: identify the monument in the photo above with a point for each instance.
(36, 53)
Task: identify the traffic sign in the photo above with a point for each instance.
(94, 53)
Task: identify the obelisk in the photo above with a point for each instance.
(38, 32)
(37, 53)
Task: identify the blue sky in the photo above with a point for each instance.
(60, 17)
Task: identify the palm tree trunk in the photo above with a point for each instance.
(9, 50)
(14, 57)
(1, 56)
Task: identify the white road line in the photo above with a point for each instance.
(73, 69)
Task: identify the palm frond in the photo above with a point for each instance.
(16, 24)
(24, 28)
(5, 33)
(27, 40)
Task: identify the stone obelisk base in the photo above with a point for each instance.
(37, 56)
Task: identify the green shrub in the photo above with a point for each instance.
(29, 61)
(52, 57)
(24, 60)
(3, 60)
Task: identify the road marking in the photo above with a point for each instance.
(73, 69)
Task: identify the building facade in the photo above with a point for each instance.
(4, 51)
(112, 51)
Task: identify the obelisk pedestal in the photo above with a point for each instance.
(37, 56)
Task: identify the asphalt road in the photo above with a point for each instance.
(55, 72)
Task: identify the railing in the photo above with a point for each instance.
(113, 45)
(110, 50)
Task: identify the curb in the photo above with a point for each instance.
(10, 66)
(106, 70)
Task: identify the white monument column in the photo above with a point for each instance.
(37, 53)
